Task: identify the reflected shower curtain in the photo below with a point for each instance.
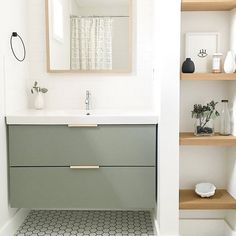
(91, 43)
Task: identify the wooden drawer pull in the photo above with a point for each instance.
(82, 126)
(84, 167)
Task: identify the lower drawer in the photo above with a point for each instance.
(62, 187)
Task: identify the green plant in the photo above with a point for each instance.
(38, 89)
(204, 113)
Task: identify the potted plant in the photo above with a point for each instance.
(39, 99)
(205, 115)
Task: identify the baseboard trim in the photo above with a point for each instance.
(14, 223)
(156, 227)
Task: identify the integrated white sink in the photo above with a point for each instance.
(82, 117)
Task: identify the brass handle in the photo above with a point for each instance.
(84, 167)
(82, 126)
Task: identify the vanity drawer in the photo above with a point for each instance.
(110, 145)
(62, 187)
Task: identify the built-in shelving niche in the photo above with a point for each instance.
(198, 155)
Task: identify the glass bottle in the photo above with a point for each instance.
(225, 128)
(217, 63)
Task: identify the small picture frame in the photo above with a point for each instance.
(200, 47)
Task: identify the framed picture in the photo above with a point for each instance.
(200, 47)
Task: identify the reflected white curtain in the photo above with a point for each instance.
(91, 43)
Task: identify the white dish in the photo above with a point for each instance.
(205, 189)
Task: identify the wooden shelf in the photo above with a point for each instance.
(208, 5)
(207, 76)
(221, 200)
(216, 140)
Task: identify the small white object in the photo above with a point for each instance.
(39, 101)
(205, 189)
(229, 64)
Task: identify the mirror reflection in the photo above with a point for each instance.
(89, 35)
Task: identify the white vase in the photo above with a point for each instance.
(229, 64)
(39, 101)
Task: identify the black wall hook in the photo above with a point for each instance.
(14, 35)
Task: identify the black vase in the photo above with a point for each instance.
(188, 66)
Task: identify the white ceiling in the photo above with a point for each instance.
(102, 3)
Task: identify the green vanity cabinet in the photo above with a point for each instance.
(104, 167)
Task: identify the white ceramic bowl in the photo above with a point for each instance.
(205, 189)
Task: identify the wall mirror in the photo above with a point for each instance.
(89, 35)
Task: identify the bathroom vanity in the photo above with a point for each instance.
(70, 160)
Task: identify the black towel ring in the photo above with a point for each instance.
(15, 34)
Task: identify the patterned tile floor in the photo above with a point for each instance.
(87, 223)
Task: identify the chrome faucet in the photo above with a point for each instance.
(87, 100)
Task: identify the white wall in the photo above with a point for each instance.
(233, 30)
(167, 55)
(231, 218)
(12, 77)
(203, 164)
(16, 74)
(125, 91)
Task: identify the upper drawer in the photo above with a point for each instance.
(118, 145)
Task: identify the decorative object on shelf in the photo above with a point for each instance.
(15, 35)
(229, 64)
(225, 128)
(202, 53)
(217, 63)
(188, 66)
(204, 115)
(39, 99)
(205, 189)
(200, 46)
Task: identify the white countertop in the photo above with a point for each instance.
(80, 117)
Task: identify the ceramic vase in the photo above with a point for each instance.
(188, 66)
(229, 64)
(39, 101)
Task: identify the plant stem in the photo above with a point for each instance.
(207, 119)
